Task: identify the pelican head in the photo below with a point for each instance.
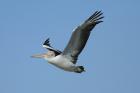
(49, 54)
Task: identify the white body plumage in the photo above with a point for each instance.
(61, 62)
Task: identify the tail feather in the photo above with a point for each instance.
(79, 69)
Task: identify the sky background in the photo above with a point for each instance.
(111, 57)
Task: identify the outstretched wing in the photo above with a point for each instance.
(80, 36)
(47, 45)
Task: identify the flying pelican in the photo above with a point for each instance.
(67, 59)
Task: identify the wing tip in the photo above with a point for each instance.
(47, 42)
(96, 17)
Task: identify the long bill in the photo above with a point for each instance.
(38, 56)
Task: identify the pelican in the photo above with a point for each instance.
(67, 59)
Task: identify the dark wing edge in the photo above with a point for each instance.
(80, 36)
(48, 46)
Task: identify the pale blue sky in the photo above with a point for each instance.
(111, 57)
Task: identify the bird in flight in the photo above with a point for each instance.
(67, 59)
